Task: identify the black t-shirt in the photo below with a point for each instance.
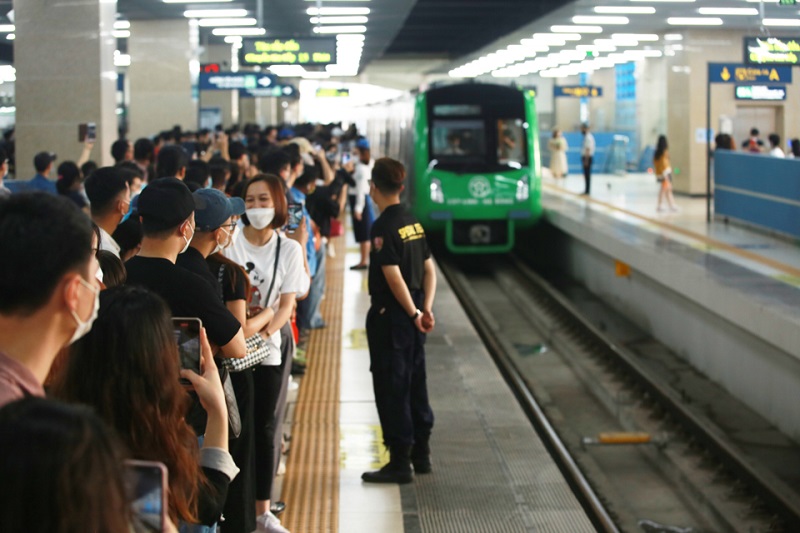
(193, 261)
(186, 293)
(397, 239)
(232, 280)
(322, 207)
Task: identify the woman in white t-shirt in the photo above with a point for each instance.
(277, 275)
(360, 202)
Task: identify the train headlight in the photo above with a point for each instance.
(437, 195)
(523, 190)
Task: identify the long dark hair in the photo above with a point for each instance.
(661, 146)
(126, 367)
(62, 470)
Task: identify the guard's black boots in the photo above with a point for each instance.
(398, 470)
(421, 456)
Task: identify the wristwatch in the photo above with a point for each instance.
(416, 315)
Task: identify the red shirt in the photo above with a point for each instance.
(16, 381)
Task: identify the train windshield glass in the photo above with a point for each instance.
(458, 140)
(511, 143)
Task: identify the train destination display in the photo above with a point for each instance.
(292, 51)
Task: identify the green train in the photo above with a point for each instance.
(473, 159)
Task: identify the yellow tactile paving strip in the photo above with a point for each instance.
(311, 485)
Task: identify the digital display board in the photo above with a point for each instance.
(330, 92)
(577, 91)
(771, 51)
(760, 92)
(289, 51)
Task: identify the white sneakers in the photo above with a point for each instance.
(269, 523)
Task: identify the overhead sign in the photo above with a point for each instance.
(329, 92)
(577, 91)
(229, 81)
(210, 68)
(738, 73)
(771, 51)
(279, 90)
(300, 51)
(788, 2)
(760, 92)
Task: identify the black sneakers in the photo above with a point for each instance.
(421, 457)
(398, 470)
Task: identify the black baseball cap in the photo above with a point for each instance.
(42, 159)
(165, 203)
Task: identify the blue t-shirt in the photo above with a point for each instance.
(300, 198)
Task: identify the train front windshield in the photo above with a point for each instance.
(478, 138)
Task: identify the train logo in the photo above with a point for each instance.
(479, 187)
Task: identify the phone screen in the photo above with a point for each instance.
(295, 217)
(146, 483)
(91, 131)
(187, 335)
(345, 158)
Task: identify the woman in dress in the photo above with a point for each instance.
(558, 154)
(663, 172)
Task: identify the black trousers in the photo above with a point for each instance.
(587, 173)
(267, 382)
(240, 507)
(397, 363)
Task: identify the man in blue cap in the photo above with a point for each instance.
(213, 216)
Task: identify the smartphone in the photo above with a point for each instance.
(146, 483)
(187, 335)
(295, 217)
(345, 158)
(91, 132)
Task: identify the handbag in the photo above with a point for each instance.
(257, 346)
(337, 230)
(234, 418)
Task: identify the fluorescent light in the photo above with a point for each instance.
(194, 1)
(122, 60)
(238, 31)
(118, 25)
(121, 34)
(11, 36)
(673, 37)
(728, 11)
(286, 71)
(576, 29)
(599, 19)
(339, 20)
(244, 21)
(341, 29)
(338, 11)
(349, 37)
(233, 39)
(609, 10)
(696, 21)
(557, 37)
(316, 75)
(781, 22)
(206, 13)
(670, 1)
(635, 36)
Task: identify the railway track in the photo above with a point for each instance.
(575, 383)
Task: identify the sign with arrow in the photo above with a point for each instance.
(231, 81)
(739, 73)
(279, 90)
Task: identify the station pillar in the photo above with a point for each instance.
(64, 60)
(226, 101)
(164, 54)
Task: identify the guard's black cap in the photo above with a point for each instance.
(165, 203)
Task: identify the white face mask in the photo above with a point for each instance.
(260, 217)
(99, 275)
(187, 241)
(84, 327)
(221, 246)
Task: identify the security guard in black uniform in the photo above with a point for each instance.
(402, 285)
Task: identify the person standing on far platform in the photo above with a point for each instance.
(558, 154)
(663, 171)
(587, 156)
(402, 279)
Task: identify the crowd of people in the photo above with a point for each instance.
(230, 228)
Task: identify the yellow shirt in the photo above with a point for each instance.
(661, 164)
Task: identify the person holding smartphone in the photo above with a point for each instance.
(137, 392)
(277, 274)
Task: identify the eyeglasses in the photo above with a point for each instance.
(230, 226)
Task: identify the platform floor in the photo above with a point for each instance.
(632, 198)
(491, 471)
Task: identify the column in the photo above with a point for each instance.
(160, 77)
(220, 53)
(64, 59)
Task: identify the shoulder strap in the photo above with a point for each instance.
(275, 268)
(220, 276)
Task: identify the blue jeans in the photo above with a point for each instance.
(308, 315)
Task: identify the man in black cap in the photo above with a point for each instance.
(172, 162)
(110, 197)
(43, 163)
(166, 208)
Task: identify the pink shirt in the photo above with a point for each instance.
(16, 381)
